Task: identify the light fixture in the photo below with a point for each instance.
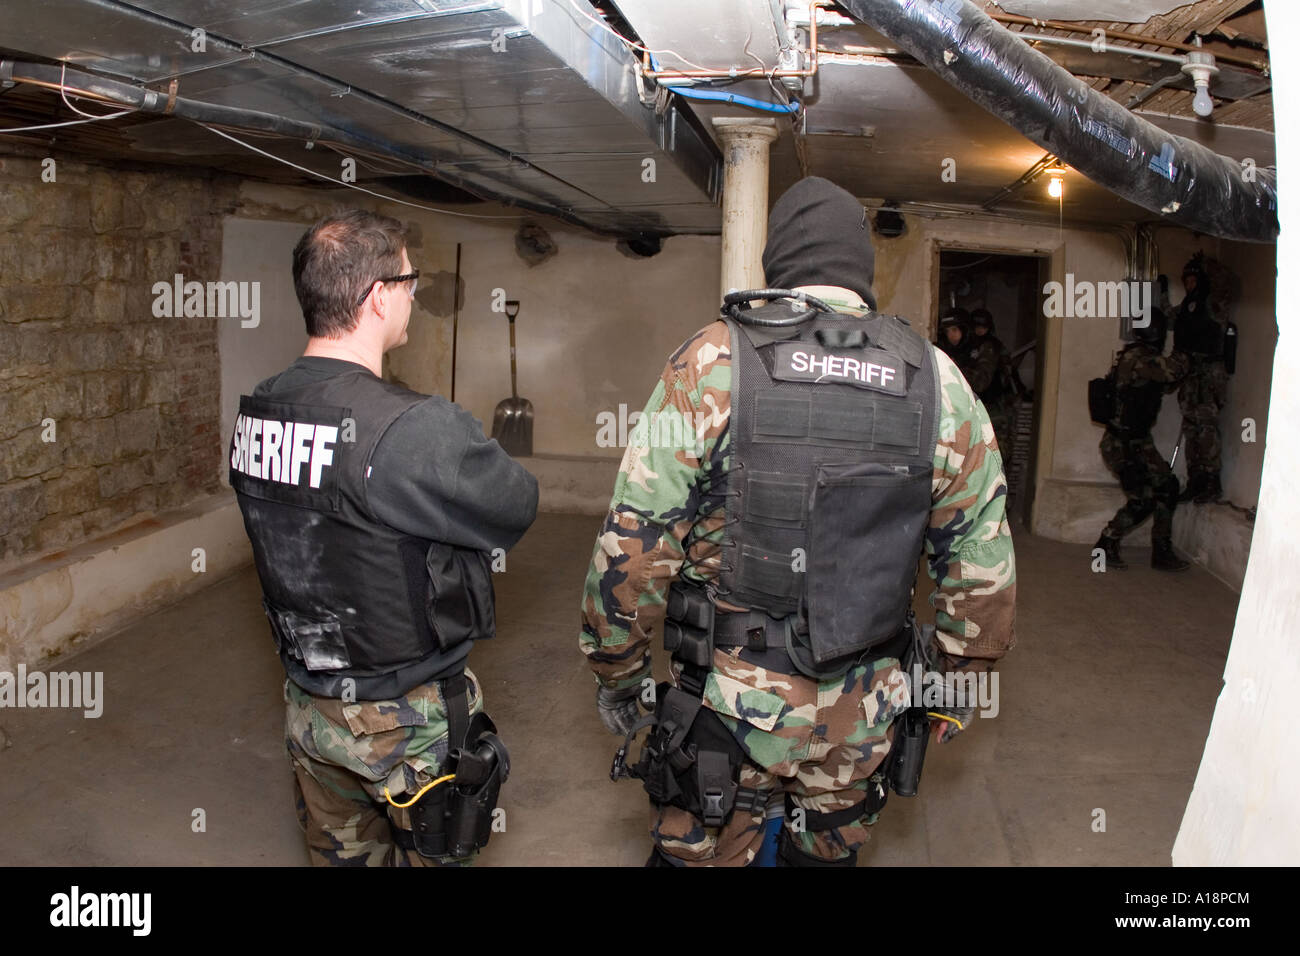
(1200, 66)
(1056, 184)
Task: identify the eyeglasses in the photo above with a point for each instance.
(411, 277)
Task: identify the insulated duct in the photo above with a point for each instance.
(1187, 183)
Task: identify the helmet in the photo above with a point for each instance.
(950, 318)
(1196, 267)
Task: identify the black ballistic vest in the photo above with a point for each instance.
(348, 598)
(1196, 331)
(833, 429)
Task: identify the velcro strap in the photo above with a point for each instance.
(748, 799)
(814, 820)
(455, 695)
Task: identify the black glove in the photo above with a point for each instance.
(618, 708)
(961, 719)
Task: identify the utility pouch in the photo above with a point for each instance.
(1102, 399)
(688, 625)
(315, 640)
(865, 530)
(460, 599)
(690, 760)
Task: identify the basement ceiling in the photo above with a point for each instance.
(555, 122)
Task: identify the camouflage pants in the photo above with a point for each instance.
(1147, 481)
(1201, 397)
(819, 741)
(344, 755)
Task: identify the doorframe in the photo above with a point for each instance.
(1048, 372)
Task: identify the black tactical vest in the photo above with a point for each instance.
(833, 429)
(357, 609)
(1196, 331)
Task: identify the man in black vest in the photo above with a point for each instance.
(791, 466)
(1143, 374)
(375, 513)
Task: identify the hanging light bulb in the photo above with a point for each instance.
(1200, 66)
(1056, 182)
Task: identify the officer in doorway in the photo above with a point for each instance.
(989, 374)
(955, 336)
(373, 511)
(776, 541)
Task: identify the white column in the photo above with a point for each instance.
(745, 145)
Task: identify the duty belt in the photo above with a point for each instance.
(762, 639)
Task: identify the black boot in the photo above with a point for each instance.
(1163, 557)
(1111, 546)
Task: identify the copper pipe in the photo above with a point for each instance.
(813, 7)
(1261, 66)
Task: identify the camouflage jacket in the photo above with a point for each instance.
(666, 515)
(1140, 364)
(1142, 376)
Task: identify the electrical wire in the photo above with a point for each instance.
(63, 92)
(737, 99)
(339, 182)
(968, 265)
(76, 122)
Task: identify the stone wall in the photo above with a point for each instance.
(107, 414)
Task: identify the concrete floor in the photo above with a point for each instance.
(1106, 704)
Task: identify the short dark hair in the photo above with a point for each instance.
(335, 263)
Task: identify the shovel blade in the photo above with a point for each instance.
(512, 426)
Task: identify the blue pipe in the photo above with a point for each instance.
(737, 99)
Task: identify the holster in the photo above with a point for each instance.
(912, 729)
(456, 819)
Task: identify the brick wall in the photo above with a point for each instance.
(134, 399)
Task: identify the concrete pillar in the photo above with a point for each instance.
(745, 145)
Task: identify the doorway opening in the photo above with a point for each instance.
(1009, 287)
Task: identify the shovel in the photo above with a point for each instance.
(512, 425)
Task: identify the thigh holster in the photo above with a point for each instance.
(456, 819)
(690, 760)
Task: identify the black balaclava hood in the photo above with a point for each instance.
(818, 234)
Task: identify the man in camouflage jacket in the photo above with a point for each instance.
(819, 741)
